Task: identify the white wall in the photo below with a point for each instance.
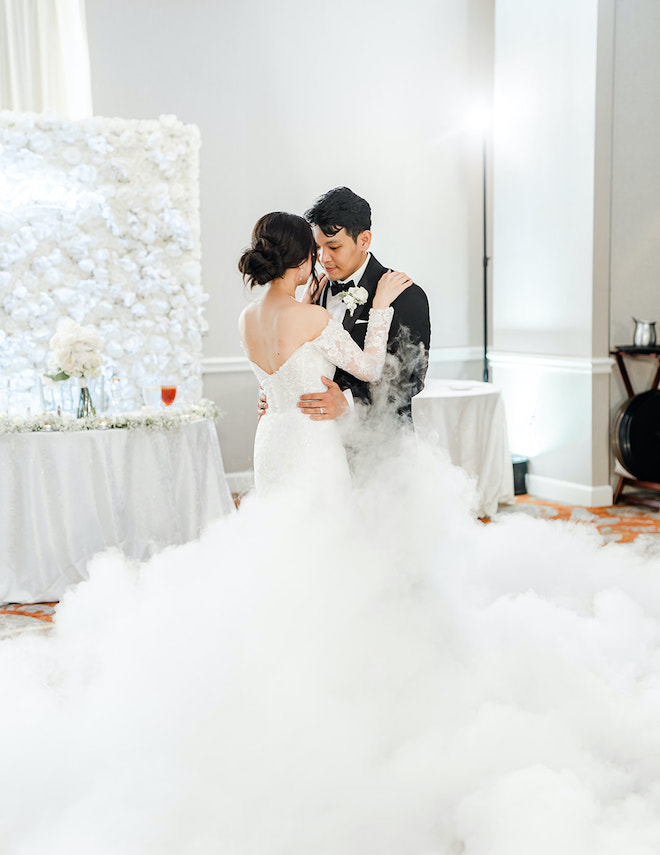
(577, 93)
(544, 185)
(293, 98)
(635, 182)
(553, 83)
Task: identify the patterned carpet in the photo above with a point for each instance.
(16, 618)
(622, 523)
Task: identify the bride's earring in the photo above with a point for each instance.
(300, 278)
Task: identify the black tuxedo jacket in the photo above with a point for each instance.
(411, 327)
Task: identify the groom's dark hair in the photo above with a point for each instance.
(340, 208)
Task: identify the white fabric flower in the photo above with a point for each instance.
(40, 142)
(118, 218)
(72, 155)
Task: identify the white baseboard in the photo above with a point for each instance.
(570, 493)
(240, 482)
(552, 489)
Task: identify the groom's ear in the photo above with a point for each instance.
(363, 240)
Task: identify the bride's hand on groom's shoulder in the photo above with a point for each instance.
(390, 286)
(313, 290)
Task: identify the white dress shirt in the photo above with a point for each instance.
(337, 308)
(334, 303)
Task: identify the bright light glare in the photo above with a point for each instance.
(515, 102)
(479, 119)
(474, 122)
(32, 186)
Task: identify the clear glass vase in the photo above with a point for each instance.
(85, 405)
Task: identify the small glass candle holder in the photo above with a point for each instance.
(152, 397)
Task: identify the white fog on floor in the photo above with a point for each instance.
(404, 679)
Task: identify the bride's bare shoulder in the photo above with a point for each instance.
(313, 316)
(248, 324)
(248, 313)
(311, 310)
(241, 321)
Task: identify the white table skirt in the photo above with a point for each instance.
(469, 421)
(67, 496)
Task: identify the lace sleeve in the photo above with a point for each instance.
(343, 352)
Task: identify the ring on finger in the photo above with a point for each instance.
(322, 411)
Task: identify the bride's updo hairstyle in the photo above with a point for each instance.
(279, 241)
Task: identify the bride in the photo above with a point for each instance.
(292, 345)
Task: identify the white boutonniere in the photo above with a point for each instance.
(354, 297)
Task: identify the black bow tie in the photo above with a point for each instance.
(338, 287)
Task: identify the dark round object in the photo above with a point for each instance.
(636, 436)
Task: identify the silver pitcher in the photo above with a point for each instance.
(644, 333)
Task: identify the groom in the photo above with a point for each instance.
(341, 221)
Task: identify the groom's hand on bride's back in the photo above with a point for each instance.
(323, 406)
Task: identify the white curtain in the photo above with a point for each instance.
(44, 57)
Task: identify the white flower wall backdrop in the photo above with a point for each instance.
(99, 222)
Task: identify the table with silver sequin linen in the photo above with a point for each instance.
(66, 496)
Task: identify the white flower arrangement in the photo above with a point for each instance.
(355, 296)
(170, 419)
(74, 352)
(100, 223)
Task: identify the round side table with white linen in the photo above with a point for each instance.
(67, 495)
(468, 420)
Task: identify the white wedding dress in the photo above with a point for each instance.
(290, 449)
